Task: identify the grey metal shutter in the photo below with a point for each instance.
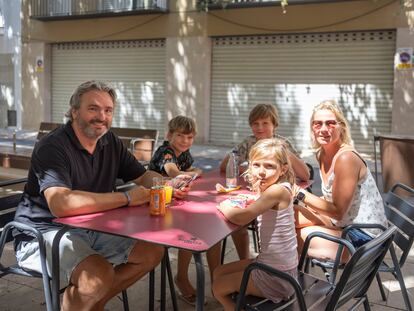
(297, 71)
(135, 68)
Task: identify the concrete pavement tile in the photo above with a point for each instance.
(395, 298)
(379, 307)
(410, 257)
(23, 299)
(32, 282)
(374, 294)
(7, 287)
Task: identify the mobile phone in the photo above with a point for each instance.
(187, 182)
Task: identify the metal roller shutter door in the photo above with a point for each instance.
(295, 72)
(135, 68)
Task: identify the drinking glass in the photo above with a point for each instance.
(168, 187)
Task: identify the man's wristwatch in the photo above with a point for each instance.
(126, 193)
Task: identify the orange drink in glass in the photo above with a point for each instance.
(168, 189)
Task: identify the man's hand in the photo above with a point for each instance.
(139, 195)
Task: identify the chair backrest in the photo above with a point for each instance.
(45, 128)
(141, 142)
(7, 206)
(399, 208)
(361, 269)
(395, 149)
(9, 198)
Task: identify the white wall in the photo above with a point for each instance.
(403, 101)
(188, 76)
(35, 84)
(10, 47)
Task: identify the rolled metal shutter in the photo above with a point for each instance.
(297, 71)
(135, 68)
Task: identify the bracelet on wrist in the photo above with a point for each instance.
(128, 197)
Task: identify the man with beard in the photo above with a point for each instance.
(73, 172)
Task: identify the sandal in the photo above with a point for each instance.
(190, 299)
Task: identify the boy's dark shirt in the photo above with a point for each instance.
(59, 160)
(165, 154)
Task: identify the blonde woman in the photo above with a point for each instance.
(349, 191)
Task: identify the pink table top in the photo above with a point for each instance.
(193, 224)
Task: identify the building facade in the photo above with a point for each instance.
(10, 63)
(171, 57)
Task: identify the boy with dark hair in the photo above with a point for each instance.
(173, 158)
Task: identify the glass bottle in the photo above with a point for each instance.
(232, 170)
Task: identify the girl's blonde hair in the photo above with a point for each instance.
(278, 149)
(331, 105)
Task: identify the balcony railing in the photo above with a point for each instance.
(222, 4)
(76, 9)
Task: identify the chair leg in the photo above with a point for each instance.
(366, 304)
(125, 300)
(381, 288)
(223, 251)
(255, 240)
(400, 279)
(403, 290)
(307, 263)
(256, 237)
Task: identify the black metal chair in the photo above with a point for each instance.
(318, 294)
(399, 208)
(311, 175)
(8, 206)
(7, 210)
(389, 150)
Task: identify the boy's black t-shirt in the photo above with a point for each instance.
(165, 154)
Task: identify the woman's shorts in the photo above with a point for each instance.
(358, 237)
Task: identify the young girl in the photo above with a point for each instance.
(263, 121)
(272, 177)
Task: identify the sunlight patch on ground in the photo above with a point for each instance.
(394, 286)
